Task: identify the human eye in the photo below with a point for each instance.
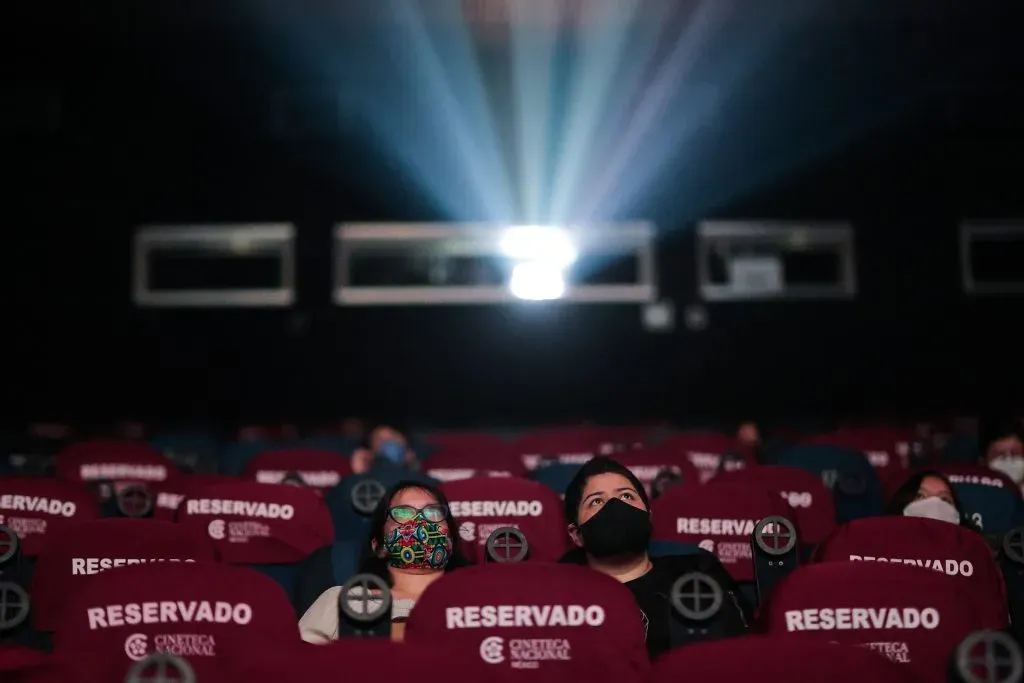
(628, 495)
(594, 502)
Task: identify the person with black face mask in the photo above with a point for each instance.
(610, 524)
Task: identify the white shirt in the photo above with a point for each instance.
(319, 624)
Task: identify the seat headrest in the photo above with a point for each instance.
(253, 523)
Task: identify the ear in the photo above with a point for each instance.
(574, 534)
(377, 550)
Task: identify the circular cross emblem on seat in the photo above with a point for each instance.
(989, 657)
(775, 535)
(507, 544)
(366, 495)
(1013, 545)
(134, 501)
(697, 596)
(14, 606)
(365, 598)
(161, 667)
(851, 483)
(8, 544)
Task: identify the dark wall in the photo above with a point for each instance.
(171, 125)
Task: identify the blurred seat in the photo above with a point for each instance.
(995, 510)
(34, 507)
(169, 495)
(269, 527)
(647, 464)
(237, 455)
(336, 443)
(911, 615)
(855, 485)
(190, 451)
(77, 552)
(810, 499)
(568, 445)
(482, 505)
(555, 476)
(973, 473)
(939, 546)
(113, 460)
(890, 450)
(710, 452)
(331, 565)
(465, 460)
(317, 468)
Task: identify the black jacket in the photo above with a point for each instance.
(652, 591)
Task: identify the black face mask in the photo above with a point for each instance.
(617, 529)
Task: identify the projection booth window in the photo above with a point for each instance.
(214, 265)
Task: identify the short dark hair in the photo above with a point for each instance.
(371, 563)
(598, 465)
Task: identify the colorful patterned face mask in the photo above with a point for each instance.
(419, 544)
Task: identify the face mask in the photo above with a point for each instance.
(617, 529)
(419, 544)
(933, 508)
(1011, 466)
(392, 450)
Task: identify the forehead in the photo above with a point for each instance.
(933, 484)
(606, 483)
(416, 497)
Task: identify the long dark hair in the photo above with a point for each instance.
(371, 563)
(907, 494)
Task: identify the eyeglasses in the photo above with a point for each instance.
(407, 513)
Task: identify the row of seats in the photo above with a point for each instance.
(780, 529)
(152, 584)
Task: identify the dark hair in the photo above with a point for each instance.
(995, 429)
(907, 494)
(371, 563)
(596, 466)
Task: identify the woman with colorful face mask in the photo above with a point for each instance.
(610, 525)
(412, 543)
(929, 494)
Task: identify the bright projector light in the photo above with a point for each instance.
(539, 243)
(537, 281)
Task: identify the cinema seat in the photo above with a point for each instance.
(121, 615)
(939, 546)
(768, 659)
(482, 505)
(995, 510)
(913, 616)
(569, 622)
(329, 566)
(856, 486)
(268, 527)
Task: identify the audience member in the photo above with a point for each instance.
(610, 525)
(929, 494)
(410, 545)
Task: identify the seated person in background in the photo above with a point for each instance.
(929, 494)
(610, 524)
(386, 444)
(409, 512)
(1002, 447)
